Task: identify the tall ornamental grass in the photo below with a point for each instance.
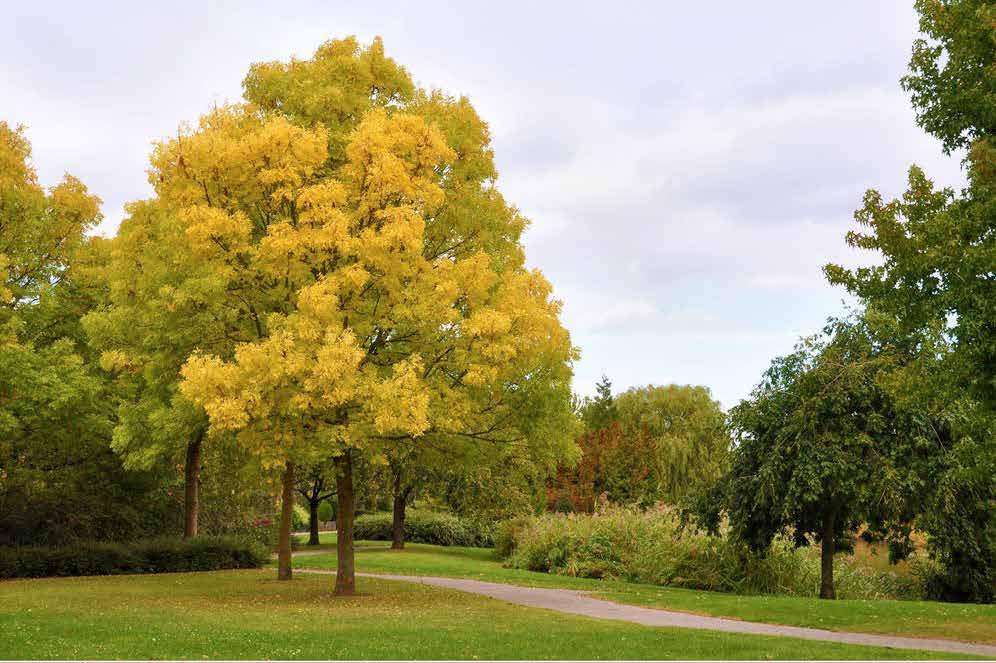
(652, 547)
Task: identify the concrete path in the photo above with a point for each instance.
(576, 603)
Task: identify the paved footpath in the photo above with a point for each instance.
(576, 603)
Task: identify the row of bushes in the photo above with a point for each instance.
(441, 529)
(150, 556)
(652, 547)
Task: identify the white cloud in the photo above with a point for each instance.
(611, 316)
(691, 317)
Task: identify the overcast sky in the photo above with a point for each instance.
(688, 167)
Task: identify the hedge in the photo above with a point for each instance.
(149, 556)
(441, 529)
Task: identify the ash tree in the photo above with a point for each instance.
(157, 312)
(355, 278)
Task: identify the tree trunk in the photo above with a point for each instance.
(191, 487)
(826, 557)
(398, 525)
(313, 540)
(345, 575)
(286, 523)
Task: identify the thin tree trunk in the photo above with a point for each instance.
(191, 486)
(827, 550)
(398, 524)
(345, 575)
(286, 522)
(313, 540)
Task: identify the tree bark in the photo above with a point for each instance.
(827, 550)
(345, 575)
(313, 539)
(398, 524)
(286, 523)
(191, 486)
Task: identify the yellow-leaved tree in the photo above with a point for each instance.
(359, 279)
(473, 217)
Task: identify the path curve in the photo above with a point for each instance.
(576, 603)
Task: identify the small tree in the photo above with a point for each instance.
(816, 446)
(600, 411)
(316, 487)
(649, 444)
(326, 512)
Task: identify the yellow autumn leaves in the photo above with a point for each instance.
(360, 334)
(329, 266)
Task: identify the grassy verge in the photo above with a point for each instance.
(248, 614)
(973, 623)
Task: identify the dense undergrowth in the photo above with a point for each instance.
(652, 547)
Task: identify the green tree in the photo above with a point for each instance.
(157, 313)
(316, 485)
(950, 81)
(58, 479)
(683, 432)
(326, 512)
(818, 446)
(599, 411)
(936, 277)
(647, 445)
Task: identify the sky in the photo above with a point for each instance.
(688, 168)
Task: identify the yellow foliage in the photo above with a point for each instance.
(350, 273)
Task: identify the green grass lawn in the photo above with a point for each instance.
(975, 623)
(249, 614)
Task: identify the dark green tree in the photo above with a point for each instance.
(599, 412)
(316, 484)
(59, 480)
(816, 446)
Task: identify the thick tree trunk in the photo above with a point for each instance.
(313, 539)
(398, 524)
(286, 524)
(191, 486)
(345, 574)
(826, 557)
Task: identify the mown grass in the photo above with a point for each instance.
(969, 622)
(249, 614)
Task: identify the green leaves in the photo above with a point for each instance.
(820, 434)
(936, 285)
(951, 82)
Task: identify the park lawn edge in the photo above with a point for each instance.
(917, 619)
